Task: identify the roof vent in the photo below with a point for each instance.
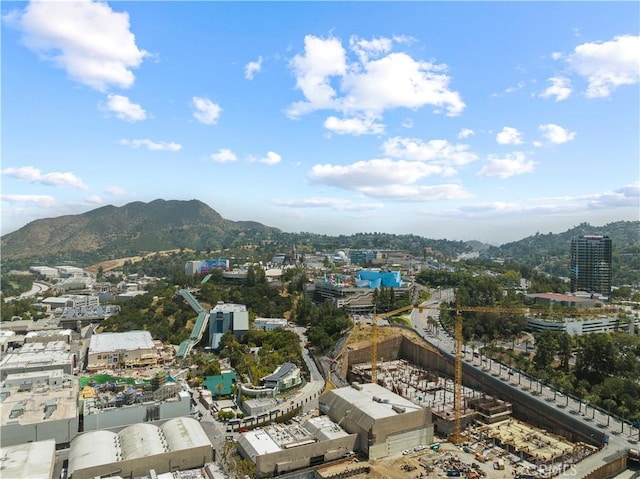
(398, 409)
(356, 385)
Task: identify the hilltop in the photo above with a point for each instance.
(138, 229)
(130, 230)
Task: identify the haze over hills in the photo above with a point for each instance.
(129, 229)
(114, 232)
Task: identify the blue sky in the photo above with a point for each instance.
(458, 120)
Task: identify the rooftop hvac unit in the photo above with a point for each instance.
(356, 385)
(398, 409)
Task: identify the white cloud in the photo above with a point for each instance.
(513, 164)
(366, 87)
(607, 65)
(87, 39)
(353, 126)
(224, 155)
(323, 59)
(332, 203)
(272, 158)
(397, 80)
(364, 175)
(434, 151)
(509, 136)
(418, 193)
(42, 201)
(34, 175)
(556, 134)
(556, 55)
(252, 68)
(466, 133)
(152, 145)
(94, 200)
(115, 191)
(560, 89)
(366, 49)
(407, 123)
(628, 195)
(206, 111)
(123, 108)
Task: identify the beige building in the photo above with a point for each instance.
(38, 406)
(279, 448)
(33, 460)
(178, 444)
(122, 350)
(386, 424)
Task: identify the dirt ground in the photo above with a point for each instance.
(118, 263)
(424, 464)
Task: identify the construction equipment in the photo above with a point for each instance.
(456, 437)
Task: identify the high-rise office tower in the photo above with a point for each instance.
(591, 264)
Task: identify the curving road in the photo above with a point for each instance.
(37, 288)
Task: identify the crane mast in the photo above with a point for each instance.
(456, 437)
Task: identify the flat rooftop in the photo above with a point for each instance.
(37, 403)
(129, 341)
(34, 460)
(277, 437)
(374, 400)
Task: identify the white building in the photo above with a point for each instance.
(6, 337)
(577, 327)
(38, 406)
(118, 350)
(35, 357)
(277, 448)
(284, 377)
(386, 423)
(45, 271)
(78, 302)
(269, 324)
(33, 460)
(178, 444)
(49, 336)
(113, 411)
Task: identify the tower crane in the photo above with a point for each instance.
(456, 437)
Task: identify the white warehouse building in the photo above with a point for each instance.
(385, 422)
(178, 444)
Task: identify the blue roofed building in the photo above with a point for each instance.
(354, 293)
(222, 384)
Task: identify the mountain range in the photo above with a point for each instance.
(115, 232)
(136, 227)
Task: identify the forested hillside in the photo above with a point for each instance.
(551, 252)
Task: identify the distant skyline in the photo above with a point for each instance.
(486, 121)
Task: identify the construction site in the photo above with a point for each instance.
(476, 434)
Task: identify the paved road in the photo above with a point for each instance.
(36, 289)
(621, 435)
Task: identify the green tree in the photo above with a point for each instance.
(546, 348)
(598, 355)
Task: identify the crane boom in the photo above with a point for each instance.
(456, 437)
